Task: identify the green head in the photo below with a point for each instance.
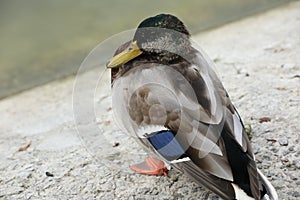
(164, 37)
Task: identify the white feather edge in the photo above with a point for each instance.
(186, 159)
(240, 194)
(142, 131)
(168, 165)
(271, 190)
(238, 128)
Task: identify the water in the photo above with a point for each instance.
(45, 40)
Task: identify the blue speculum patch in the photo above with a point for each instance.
(167, 145)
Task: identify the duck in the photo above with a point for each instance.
(167, 96)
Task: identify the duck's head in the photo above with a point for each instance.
(160, 38)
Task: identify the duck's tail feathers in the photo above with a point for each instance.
(271, 192)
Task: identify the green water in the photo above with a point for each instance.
(45, 40)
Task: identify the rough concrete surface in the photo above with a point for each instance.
(258, 61)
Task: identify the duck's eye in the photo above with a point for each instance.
(130, 48)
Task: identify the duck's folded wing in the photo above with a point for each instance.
(234, 143)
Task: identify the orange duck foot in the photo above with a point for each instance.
(151, 166)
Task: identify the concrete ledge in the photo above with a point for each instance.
(258, 60)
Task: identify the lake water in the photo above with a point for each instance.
(45, 40)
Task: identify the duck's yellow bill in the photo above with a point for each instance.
(128, 54)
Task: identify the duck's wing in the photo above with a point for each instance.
(237, 159)
(234, 142)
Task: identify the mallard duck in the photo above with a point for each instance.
(166, 94)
